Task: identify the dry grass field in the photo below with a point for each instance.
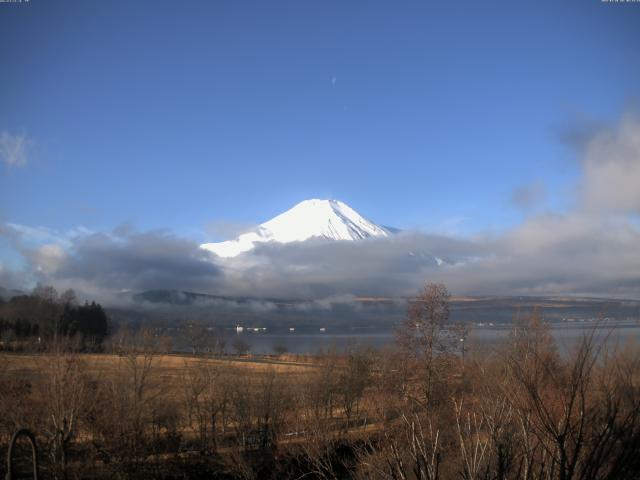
(168, 373)
(417, 411)
(167, 366)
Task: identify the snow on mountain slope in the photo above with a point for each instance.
(329, 219)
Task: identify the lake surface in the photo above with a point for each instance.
(314, 341)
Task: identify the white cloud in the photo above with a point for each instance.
(13, 149)
(48, 258)
(593, 250)
(37, 235)
(612, 169)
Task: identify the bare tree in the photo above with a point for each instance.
(279, 349)
(411, 451)
(206, 395)
(424, 338)
(387, 384)
(127, 397)
(354, 377)
(68, 297)
(531, 340)
(575, 419)
(241, 347)
(65, 387)
(272, 398)
(197, 338)
(474, 444)
(460, 333)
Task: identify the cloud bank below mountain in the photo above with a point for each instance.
(592, 249)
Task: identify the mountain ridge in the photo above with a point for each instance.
(314, 218)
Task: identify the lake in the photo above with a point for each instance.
(311, 341)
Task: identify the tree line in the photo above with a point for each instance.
(44, 315)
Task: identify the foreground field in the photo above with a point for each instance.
(171, 368)
(420, 410)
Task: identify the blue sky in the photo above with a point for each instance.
(421, 114)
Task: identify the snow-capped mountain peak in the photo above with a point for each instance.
(328, 219)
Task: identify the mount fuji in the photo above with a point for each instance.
(328, 219)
